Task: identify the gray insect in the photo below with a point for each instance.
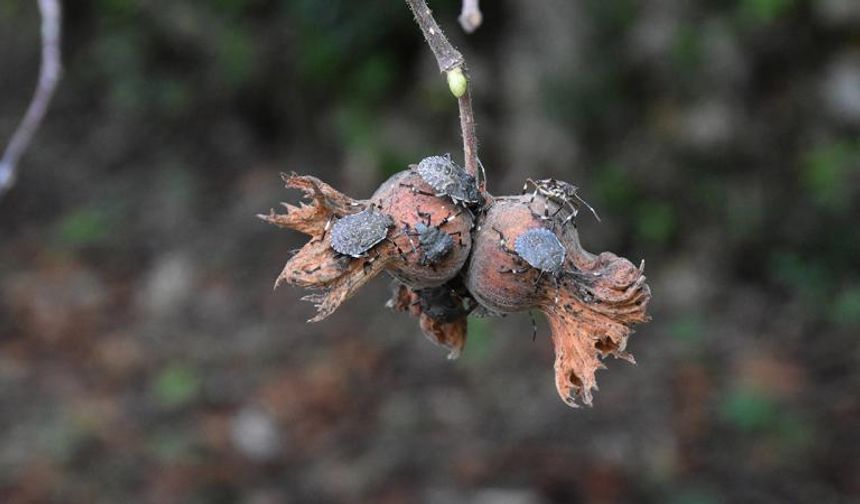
(541, 248)
(449, 179)
(443, 304)
(562, 193)
(435, 242)
(355, 234)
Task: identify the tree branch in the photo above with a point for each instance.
(452, 63)
(49, 75)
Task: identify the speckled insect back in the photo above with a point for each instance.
(541, 248)
(355, 234)
(434, 242)
(449, 179)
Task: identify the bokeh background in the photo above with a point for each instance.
(144, 357)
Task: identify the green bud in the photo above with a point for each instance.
(457, 82)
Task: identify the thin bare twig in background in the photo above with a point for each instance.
(49, 75)
(470, 17)
(452, 63)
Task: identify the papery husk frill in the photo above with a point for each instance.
(592, 307)
(407, 199)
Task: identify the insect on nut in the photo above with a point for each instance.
(564, 194)
(449, 179)
(541, 248)
(355, 234)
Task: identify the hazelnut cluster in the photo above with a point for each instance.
(453, 249)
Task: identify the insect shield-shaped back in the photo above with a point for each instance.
(541, 249)
(434, 242)
(357, 233)
(449, 179)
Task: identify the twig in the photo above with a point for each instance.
(470, 17)
(49, 75)
(452, 63)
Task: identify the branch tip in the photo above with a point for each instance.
(49, 75)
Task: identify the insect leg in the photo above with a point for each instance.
(459, 236)
(415, 190)
(593, 211)
(397, 247)
(534, 324)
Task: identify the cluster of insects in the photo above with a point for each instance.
(464, 252)
(354, 235)
(455, 251)
(539, 248)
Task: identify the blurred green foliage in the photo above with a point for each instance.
(831, 173)
(689, 329)
(176, 385)
(764, 11)
(87, 226)
(615, 188)
(754, 412)
(846, 308)
(657, 221)
(687, 52)
(694, 495)
(479, 341)
(810, 278)
(749, 410)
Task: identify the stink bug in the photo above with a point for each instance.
(562, 193)
(355, 234)
(451, 180)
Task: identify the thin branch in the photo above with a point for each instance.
(470, 17)
(447, 57)
(470, 137)
(49, 75)
(452, 63)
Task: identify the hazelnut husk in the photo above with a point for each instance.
(442, 313)
(404, 197)
(591, 305)
(410, 201)
(591, 301)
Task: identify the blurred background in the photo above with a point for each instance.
(145, 359)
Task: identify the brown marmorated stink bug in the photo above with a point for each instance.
(541, 248)
(355, 234)
(435, 242)
(449, 179)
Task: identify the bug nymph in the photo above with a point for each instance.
(541, 248)
(538, 248)
(355, 234)
(563, 194)
(435, 242)
(443, 304)
(449, 179)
